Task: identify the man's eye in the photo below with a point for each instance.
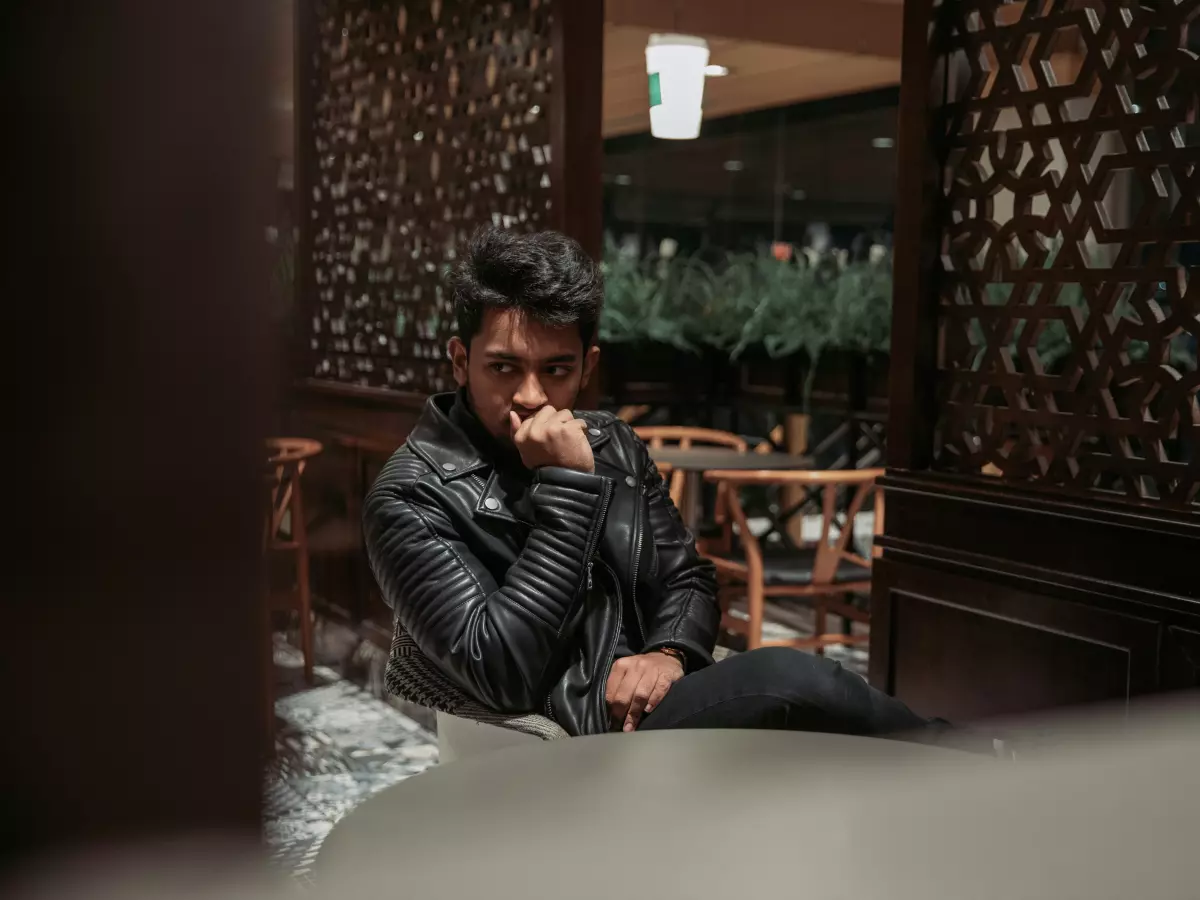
(559, 371)
(501, 368)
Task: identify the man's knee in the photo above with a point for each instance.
(788, 672)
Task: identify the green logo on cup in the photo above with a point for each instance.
(655, 90)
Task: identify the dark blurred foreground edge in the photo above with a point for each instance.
(134, 375)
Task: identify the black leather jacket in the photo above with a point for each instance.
(518, 591)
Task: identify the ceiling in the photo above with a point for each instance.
(760, 75)
(817, 48)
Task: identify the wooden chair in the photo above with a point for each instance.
(686, 437)
(285, 531)
(821, 572)
(657, 436)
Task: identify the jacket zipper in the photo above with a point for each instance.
(637, 561)
(612, 645)
(588, 587)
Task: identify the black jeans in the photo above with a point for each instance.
(781, 688)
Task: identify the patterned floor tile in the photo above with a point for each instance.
(336, 745)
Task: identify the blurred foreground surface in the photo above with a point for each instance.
(1097, 806)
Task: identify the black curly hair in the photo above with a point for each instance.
(545, 275)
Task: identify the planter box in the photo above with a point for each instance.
(844, 380)
(658, 374)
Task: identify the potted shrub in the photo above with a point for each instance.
(648, 352)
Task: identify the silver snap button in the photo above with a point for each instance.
(594, 432)
(491, 503)
(449, 467)
(631, 481)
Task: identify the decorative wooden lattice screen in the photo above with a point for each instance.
(1069, 210)
(427, 120)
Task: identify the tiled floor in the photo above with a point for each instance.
(336, 745)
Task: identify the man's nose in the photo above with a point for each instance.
(530, 394)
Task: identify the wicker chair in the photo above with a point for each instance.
(411, 676)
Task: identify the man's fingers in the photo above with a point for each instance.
(641, 694)
(583, 426)
(615, 675)
(622, 696)
(660, 690)
(540, 421)
(514, 422)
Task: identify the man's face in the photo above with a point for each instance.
(518, 364)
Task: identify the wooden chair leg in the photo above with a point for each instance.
(755, 606)
(300, 535)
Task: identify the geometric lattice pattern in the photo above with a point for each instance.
(1069, 214)
(430, 119)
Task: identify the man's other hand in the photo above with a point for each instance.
(637, 684)
(552, 437)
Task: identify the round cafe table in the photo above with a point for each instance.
(681, 813)
(698, 460)
(702, 459)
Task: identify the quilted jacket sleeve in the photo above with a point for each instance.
(688, 616)
(495, 640)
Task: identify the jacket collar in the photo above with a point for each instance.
(451, 453)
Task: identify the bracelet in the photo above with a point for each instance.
(675, 654)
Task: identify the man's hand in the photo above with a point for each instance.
(553, 437)
(637, 684)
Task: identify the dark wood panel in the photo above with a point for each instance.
(1116, 547)
(963, 648)
(1181, 658)
(1037, 363)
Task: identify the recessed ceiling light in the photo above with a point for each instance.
(716, 71)
(799, 194)
(623, 179)
(734, 165)
(882, 143)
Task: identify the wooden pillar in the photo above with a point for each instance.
(577, 194)
(131, 646)
(575, 122)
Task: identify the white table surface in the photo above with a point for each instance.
(649, 813)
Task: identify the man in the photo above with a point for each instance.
(532, 552)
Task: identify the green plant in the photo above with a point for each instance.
(643, 302)
(815, 303)
(862, 319)
(811, 303)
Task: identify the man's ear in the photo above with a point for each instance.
(589, 364)
(457, 351)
